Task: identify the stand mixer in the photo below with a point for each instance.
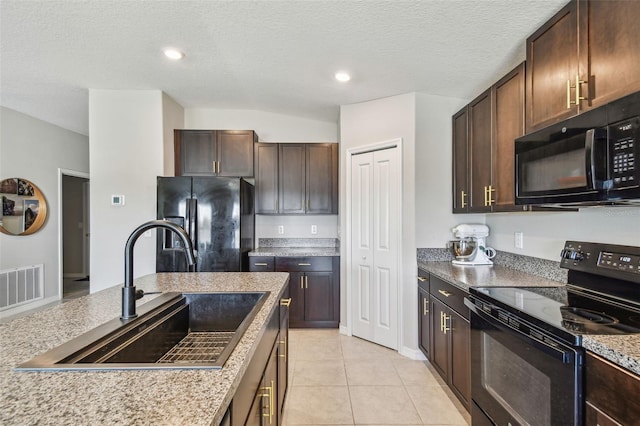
(470, 248)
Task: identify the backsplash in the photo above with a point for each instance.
(298, 242)
(548, 269)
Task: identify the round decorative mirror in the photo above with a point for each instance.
(24, 209)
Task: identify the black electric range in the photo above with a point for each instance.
(602, 295)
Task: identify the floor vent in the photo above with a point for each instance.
(20, 286)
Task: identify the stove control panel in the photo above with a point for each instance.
(611, 260)
(619, 261)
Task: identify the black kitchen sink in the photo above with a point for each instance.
(175, 330)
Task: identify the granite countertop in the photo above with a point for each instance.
(485, 276)
(158, 397)
(623, 350)
(295, 251)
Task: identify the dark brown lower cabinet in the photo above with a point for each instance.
(314, 286)
(259, 399)
(424, 316)
(450, 334)
(611, 393)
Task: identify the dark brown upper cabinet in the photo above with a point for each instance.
(585, 56)
(214, 152)
(266, 169)
(301, 179)
(483, 147)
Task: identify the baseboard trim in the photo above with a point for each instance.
(415, 354)
(344, 330)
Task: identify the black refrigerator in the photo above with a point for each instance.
(218, 214)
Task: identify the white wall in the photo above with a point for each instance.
(35, 150)
(365, 124)
(434, 219)
(269, 126)
(126, 138)
(546, 233)
(172, 118)
(272, 127)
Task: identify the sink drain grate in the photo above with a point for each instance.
(198, 347)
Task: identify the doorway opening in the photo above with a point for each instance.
(74, 235)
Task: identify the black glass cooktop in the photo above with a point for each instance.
(568, 310)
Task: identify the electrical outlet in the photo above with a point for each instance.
(518, 240)
(314, 229)
(280, 229)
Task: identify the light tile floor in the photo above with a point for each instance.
(342, 380)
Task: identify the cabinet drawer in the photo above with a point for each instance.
(261, 263)
(301, 264)
(612, 389)
(450, 295)
(423, 280)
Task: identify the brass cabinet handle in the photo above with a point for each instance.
(462, 195)
(577, 87)
(425, 309)
(422, 279)
(302, 281)
(285, 302)
(444, 293)
(488, 199)
(306, 282)
(260, 264)
(268, 394)
(284, 342)
(445, 318)
(304, 264)
(568, 94)
(441, 321)
(214, 167)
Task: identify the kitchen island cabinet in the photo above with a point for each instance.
(132, 397)
(583, 57)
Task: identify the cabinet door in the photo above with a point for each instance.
(291, 177)
(266, 169)
(480, 152)
(440, 348)
(322, 178)
(270, 412)
(460, 163)
(552, 64)
(508, 119)
(196, 152)
(318, 296)
(235, 152)
(609, 50)
(424, 323)
(283, 358)
(297, 293)
(460, 357)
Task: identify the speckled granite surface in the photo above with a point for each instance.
(485, 276)
(622, 350)
(298, 242)
(295, 251)
(161, 397)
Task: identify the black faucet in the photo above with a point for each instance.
(129, 290)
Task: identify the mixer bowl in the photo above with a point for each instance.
(463, 248)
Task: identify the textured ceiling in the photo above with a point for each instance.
(278, 56)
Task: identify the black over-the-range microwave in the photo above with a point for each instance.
(589, 159)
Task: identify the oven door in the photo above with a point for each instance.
(519, 380)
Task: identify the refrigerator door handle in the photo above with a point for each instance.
(192, 227)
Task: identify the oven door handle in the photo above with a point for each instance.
(556, 350)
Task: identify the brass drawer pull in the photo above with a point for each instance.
(422, 279)
(304, 264)
(445, 318)
(285, 302)
(444, 293)
(302, 282)
(261, 264)
(284, 342)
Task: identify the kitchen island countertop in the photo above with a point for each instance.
(623, 350)
(158, 397)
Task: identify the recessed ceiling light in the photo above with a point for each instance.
(173, 54)
(342, 76)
